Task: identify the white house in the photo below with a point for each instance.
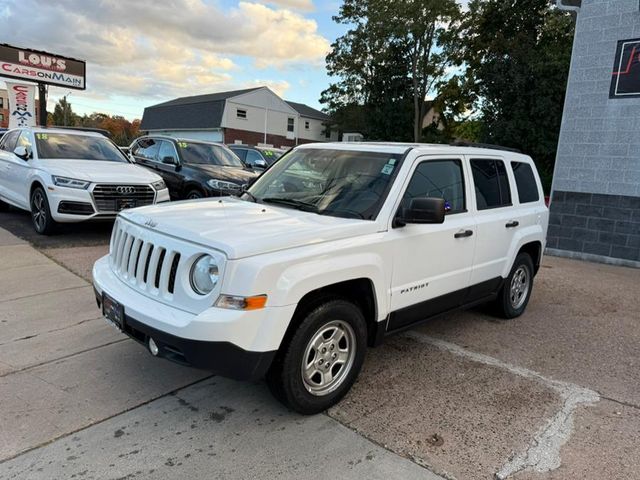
(252, 116)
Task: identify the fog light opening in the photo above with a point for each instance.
(153, 348)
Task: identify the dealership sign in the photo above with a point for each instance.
(22, 105)
(42, 67)
(625, 78)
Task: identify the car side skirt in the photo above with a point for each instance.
(422, 312)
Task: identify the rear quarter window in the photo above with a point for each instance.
(525, 182)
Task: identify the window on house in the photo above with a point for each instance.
(1, 102)
(1, 115)
(491, 183)
(241, 113)
(290, 124)
(306, 125)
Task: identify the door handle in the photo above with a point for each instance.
(512, 224)
(463, 234)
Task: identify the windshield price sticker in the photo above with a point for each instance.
(182, 144)
(388, 167)
(42, 136)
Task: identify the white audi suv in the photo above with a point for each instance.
(65, 175)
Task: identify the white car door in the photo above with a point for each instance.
(7, 163)
(18, 174)
(496, 218)
(432, 263)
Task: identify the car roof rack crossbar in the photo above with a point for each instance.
(484, 145)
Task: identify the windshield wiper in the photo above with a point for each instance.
(297, 204)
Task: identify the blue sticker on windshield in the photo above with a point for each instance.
(387, 169)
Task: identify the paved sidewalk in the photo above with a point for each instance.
(79, 398)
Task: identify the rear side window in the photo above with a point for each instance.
(525, 182)
(440, 179)
(491, 183)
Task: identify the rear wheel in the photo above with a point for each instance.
(516, 291)
(41, 217)
(322, 359)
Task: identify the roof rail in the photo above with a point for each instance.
(484, 145)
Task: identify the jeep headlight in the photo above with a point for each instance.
(222, 185)
(204, 275)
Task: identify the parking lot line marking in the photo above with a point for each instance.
(543, 454)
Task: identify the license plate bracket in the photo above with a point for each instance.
(124, 203)
(113, 311)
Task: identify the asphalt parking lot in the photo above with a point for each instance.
(553, 394)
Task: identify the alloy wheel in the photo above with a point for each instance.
(39, 211)
(520, 284)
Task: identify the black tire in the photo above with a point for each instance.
(4, 207)
(509, 303)
(285, 377)
(43, 222)
(194, 194)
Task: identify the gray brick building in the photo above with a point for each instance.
(595, 207)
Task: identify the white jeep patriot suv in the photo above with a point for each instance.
(332, 249)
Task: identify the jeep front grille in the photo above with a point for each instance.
(149, 266)
(158, 266)
(113, 198)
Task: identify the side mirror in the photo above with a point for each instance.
(169, 160)
(261, 164)
(423, 210)
(22, 152)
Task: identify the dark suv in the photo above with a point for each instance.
(257, 158)
(192, 168)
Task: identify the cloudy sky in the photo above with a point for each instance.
(144, 52)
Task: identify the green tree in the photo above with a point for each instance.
(63, 115)
(517, 56)
(393, 54)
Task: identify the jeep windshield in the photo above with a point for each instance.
(52, 146)
(340, 183)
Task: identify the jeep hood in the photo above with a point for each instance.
(241, 229)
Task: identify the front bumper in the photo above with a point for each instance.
(221, 358)
(60, 198)
(235, 344)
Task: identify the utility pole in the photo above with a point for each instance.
(42, 96)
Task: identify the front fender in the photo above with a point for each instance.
(287, 278)
(298, 280)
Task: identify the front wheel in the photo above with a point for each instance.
(323, 358)
(43, 222)
(516, 291)
(194, 195)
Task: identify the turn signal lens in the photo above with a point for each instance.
(241, 303)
